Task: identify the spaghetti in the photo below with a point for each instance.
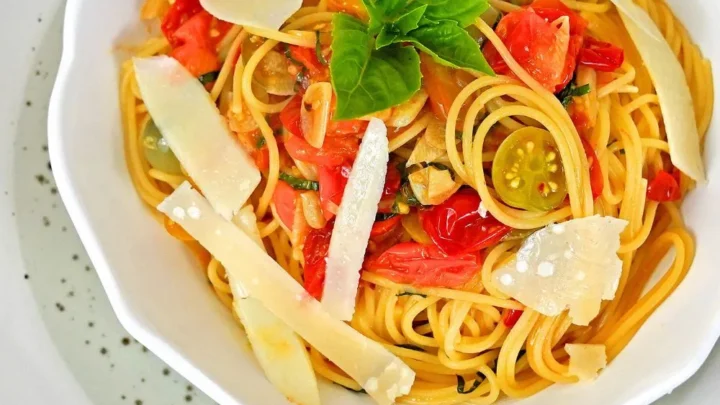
(459, 337)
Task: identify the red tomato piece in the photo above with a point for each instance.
(393, 178)
(332, 181)
(177, 15)
(290, 116)
(456, 226)
(315, 251)
(347, 127)
(551, 10)
(664, 188)
(308, 58)
(425, 266)
(262, 158)
(601, 56)
(511, 316)
(194, 49)
(381, 228)
(334, 152)
(284, 200)
(596, 177)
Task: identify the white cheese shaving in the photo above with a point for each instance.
(197, 134)
(354, 222)
(364, 360)
(586, 360)
(671, 86)
(572, 266)
(268, 14)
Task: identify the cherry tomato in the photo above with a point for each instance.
(332, 181)
(551, 10)
(601, 56)
(195, 50)
(284, 200)
(381, 228)
(177, 15)
(290, 116)
(442, 84)
(334, 151)
(346, 127)
(596, 178)
(664, 187)
(456, 226)
(527, 172)
(393, 178)
(425, 266)
(511, 316)
(315, 251)
(262, 158)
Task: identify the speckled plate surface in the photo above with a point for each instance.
(60, 342)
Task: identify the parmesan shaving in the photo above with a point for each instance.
(197, 134)
(266, 14)
(354, 222)
(586, 360)
(383, 375)
(573, 265)
(671, 86)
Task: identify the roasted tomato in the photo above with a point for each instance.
(665, 187)
(333, 180)
(596, 178)
(284, 200)
(601, 56)
(334, 152)
(315, 251)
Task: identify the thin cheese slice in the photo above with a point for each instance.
(586, 360)
(268, 14)
(354, 222)
(280, 352)
(197, 133)
(573, 265)
(379, 372)
(671, 86)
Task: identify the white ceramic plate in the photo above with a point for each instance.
(162, 298)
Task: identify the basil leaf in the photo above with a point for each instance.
(410, 293)
(367, 80)
(299, 184)
(389, 33)
(260, 142)
(382, 11)
(461, 384)
(464, 12)
(450, 45)
(570, 91)
(411, 347)
(209, 77)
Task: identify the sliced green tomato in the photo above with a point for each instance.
(157, 151)
(527, 171)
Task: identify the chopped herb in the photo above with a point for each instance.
(360, 391)
(436, 165)
(409, 293)
(208, 78)
(381, 216)
(411, 347)
(288, 55)
(318, 49)
(566, 95)
(299, 184)
(260, 143)
(461, 384)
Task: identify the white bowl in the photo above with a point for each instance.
(162, 297)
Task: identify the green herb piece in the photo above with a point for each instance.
(410, 293)
(260, 143)
(299, 184)
(381, 216)
(461, 384)
(566, 95)
(391, 33)
(383, 11)
(411, 347)
(463, 12)
(209, 77)
(318, 49)
(360, 391)
(367, 80)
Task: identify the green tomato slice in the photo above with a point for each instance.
(527, 171)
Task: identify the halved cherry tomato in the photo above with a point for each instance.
(262, 158)
(511, 316)
(290, 116)
(596, 178)
(315, 251)
(665, 187)
(527, 172)
(346, 127)
(177, 15)
(308, 58)
(601, 56)
(284, 200)
(194, 49)
(456, 226)
(334, 151)
(381, 228)
(393, 178)
(425, 266)
(332, 181)
(442, 84)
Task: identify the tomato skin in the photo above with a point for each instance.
(456, 226)
(393, 178)
(315, 251)
(262, 158)
(551, 10)
(333, 180)
(601, 56)
(425, 266)
(284, 199)
(665, 187)
(511, 316)
(290, 116)
(346, 127)
(194, 49)
(308, 58)
(334, 152)
(597, 183)
(177, 15)
(381, 228)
